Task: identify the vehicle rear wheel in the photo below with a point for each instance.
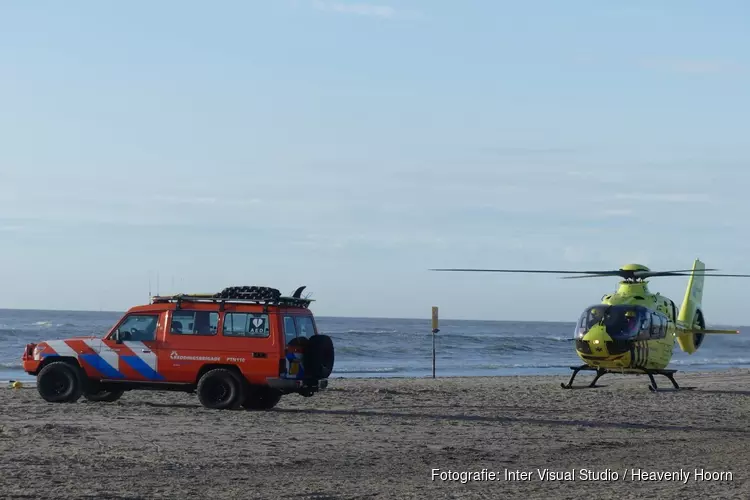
(220, 389)
(59, 382)
(261, 398)
(103, 395)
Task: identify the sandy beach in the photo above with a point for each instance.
(383, 438)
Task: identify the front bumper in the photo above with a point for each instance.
(30, 359)
(31, 366)
(291, 385)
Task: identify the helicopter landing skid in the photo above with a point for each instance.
(602, 371)
(576, 369)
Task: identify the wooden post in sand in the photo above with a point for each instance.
(434, 331)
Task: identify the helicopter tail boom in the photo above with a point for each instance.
(687, 332)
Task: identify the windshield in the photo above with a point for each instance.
(621, 321)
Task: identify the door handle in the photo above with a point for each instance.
(145, 350)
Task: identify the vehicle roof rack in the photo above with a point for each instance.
(210, 298)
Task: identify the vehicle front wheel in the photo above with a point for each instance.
(59, 382)
(261, 398)
(220, 389)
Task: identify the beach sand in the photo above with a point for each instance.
(381, 439)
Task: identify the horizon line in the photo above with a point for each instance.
(427, 318)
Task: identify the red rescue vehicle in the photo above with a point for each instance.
(243, 347)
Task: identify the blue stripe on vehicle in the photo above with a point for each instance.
(142, 368)
(101, 366)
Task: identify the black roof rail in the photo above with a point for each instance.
(280, 301)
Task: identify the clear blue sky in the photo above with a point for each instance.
(351, 146)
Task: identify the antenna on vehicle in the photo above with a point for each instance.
(157, 282)
(149, 285)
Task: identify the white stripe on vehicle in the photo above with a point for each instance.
(95, 344)
(143, 352)
(108, 355)
(112, 358)
(62, 348)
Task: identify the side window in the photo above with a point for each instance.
(646, 325)
(139, 327)
(305, 327)
(662, 327)
(194, 323)
(290, 331)
(655, 325)
(246, 325)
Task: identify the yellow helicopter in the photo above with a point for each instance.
(633, 330)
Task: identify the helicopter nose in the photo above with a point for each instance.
(597, 338)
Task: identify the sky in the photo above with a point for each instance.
(351, 146)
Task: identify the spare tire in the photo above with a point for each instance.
(318, 358)
(250, 293)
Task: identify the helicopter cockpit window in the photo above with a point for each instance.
(590, 317)
(620, 321)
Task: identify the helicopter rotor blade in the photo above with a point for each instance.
(603, 273)
(646, 274)
(674, 271)
(589, 276)
(623, 273)
(641, 274)
(710, 274)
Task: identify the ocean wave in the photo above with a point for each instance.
(372, 331)
(384, 369)
(11, 366)
(477, 336)
(499, 366)
(446, 348)
(707, 362)
(503, 343)
(353, 351)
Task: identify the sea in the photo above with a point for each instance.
(380, 347)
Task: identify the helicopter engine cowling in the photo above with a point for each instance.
(690, 312)
(692, 343)
(700, 323)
